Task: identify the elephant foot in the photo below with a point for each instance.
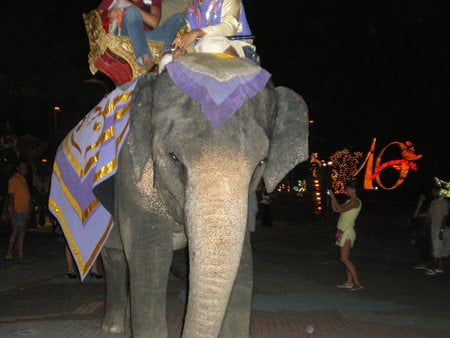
(113, 322)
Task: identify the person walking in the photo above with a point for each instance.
(346, 235)
(421, 221)
(19, 209)
(438, 211)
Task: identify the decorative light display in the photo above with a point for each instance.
(316, 185)
(317, 197)
(283, 186)
(345, 165)
(300, 188)
(402, 165)
(396, 164)
(444, 187)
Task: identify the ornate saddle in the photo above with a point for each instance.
(113, 55)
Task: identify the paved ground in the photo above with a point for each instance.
(296, 271)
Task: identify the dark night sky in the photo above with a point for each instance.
(366, 69)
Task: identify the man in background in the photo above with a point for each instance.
(19, 209)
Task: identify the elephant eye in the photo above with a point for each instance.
(262, 162)
(174, 157)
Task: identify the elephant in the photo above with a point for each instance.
(181, 181)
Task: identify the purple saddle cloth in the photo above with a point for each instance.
(86, 158)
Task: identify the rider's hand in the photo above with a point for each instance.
(183, 42)
(113, 13)
(178, 53)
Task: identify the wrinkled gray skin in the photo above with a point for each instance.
(175, 169)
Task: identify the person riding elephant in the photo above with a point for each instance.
(140, 21)
(214, 26)
(193, 144)
(221, 18)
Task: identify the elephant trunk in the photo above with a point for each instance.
(216, 217)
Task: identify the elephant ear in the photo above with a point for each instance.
(139, 140)
(289, 140)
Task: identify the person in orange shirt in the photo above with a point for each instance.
(19, 209)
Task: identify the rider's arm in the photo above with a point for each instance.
(337, 207)
(228, 26)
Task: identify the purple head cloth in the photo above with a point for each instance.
(220, 84)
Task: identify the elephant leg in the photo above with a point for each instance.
(148, 248)
(236, 322)
(116, 290)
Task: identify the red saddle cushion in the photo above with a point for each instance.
(118, 70)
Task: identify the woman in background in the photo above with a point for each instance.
(346, 235)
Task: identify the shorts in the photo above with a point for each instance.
(439, 248)
(20, 219)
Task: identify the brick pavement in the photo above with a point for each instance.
(296, 270)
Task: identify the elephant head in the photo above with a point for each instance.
(204, 176)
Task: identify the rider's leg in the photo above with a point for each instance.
(132, 26)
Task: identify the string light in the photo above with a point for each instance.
(345, 165)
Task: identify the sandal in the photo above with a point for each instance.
(345, 286)
(356, 288)
(72, 275)
(96, 275)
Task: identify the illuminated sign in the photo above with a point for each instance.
(344, 167)
(402, 165)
